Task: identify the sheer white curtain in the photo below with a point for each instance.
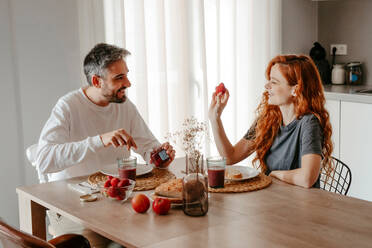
(91, 27)
(181, 49)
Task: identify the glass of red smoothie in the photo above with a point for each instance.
(127, 167)
(216, 171)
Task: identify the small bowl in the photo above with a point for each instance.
(118, 193)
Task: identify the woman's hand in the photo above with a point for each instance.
(306, 176)
(217, 105)
(277, 174)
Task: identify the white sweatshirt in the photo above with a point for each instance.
(70, 145)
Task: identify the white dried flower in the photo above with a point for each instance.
(191, 137)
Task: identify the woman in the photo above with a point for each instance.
(292, 133)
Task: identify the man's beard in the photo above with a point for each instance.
(114, 97)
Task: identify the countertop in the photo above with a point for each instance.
(347, 93)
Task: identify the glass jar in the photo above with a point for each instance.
(195, 187)
(338, 74)
(354, 73)
(159, 158)
(127, 167)
(216, 171)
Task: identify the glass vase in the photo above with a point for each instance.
(195, 187)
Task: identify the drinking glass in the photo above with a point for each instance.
(127, 167)
(216, 171)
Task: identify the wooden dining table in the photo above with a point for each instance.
(281, 215)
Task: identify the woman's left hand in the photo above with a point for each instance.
(217, 105)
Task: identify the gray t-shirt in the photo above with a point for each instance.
(300, 137)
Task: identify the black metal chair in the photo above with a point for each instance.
(340, 179)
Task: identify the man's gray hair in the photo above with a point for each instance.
(100, 57)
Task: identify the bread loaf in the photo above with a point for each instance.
(172, 188)
(232, 173)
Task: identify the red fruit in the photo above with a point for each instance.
(220, 88)
(121, 192)
(161, 205)
(112, 191)
(140, 203)
(110, 177)
(123, 182)
(107, 183)
(120, 197)
(115, 181)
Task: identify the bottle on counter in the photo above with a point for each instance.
(338, 74)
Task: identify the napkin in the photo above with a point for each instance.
(83, 188)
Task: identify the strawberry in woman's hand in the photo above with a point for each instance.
(220, 88)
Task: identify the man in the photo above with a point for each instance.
(91, 127)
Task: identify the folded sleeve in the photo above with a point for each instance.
(312, 137)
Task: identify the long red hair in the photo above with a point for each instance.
(298, 70)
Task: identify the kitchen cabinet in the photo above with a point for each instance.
(333, 107)
(356, 146)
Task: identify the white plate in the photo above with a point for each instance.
(112, 170)
(247, 172)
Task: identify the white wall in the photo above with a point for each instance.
(299, 26)
(350, 24)
(39, 62)
(11, 174)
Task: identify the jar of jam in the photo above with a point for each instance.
(159, 158)
(354, 73)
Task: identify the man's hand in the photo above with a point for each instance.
(118, 138)
(169, 150)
